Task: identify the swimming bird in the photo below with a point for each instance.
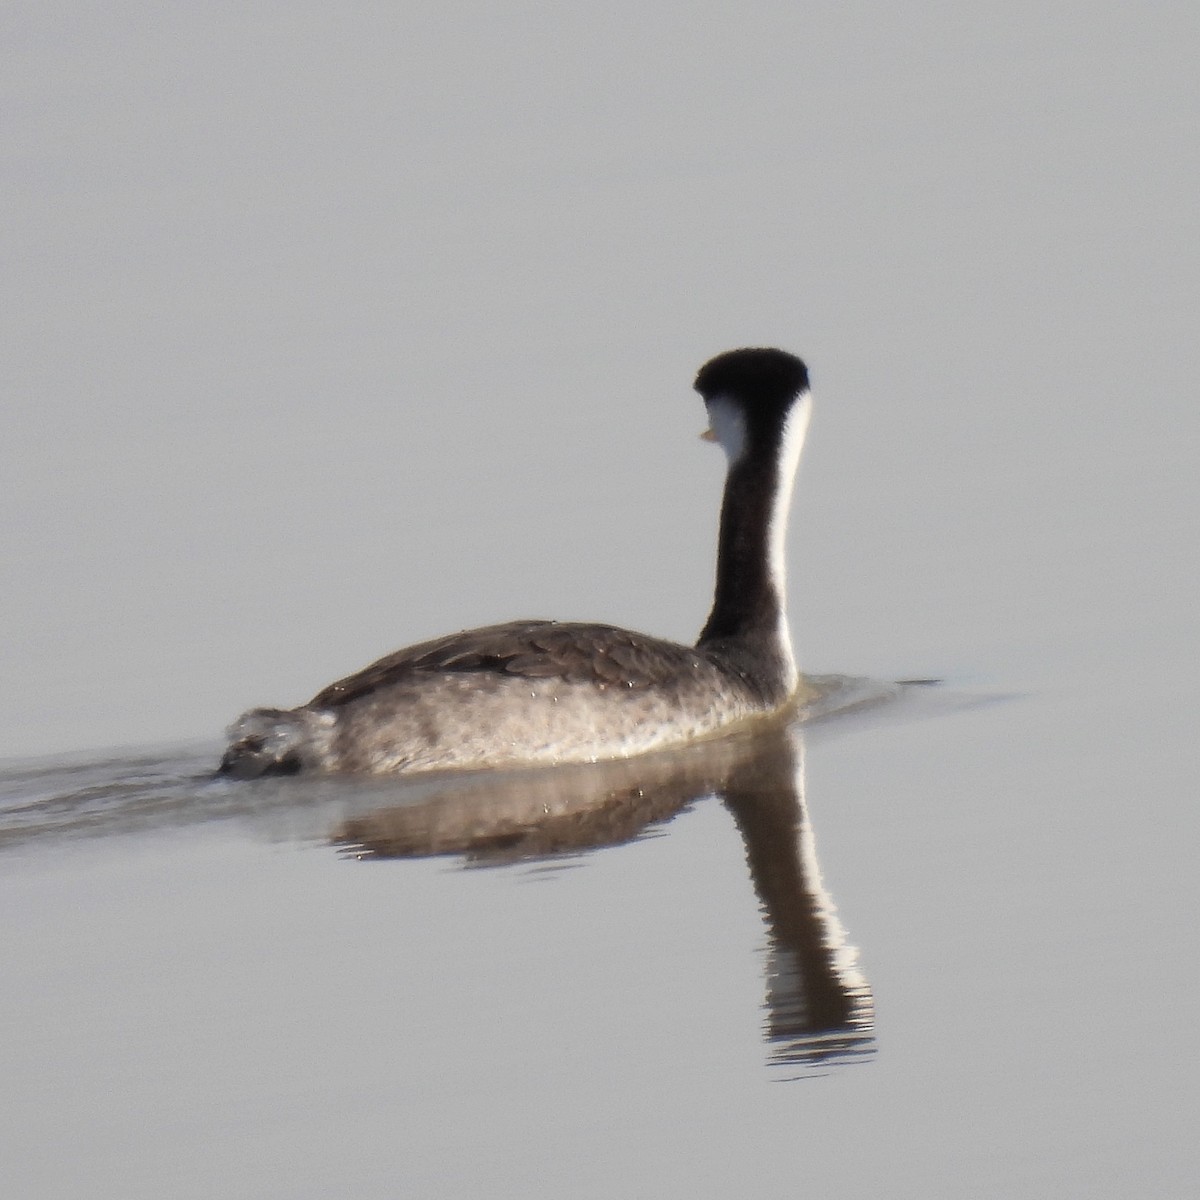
(530, 692)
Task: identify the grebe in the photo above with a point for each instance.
(530, 692)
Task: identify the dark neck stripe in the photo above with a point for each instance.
(746, 601)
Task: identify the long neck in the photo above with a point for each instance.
(751, 589)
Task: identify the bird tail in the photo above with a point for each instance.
(276, 741)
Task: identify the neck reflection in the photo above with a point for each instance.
(819, 1006)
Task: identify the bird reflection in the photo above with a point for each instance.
(818, 1007)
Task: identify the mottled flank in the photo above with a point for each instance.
(523, 692)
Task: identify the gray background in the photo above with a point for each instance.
(328, 329)
(332, 328)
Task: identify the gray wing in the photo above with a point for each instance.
(578, 652)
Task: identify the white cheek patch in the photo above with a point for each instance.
(728, 427)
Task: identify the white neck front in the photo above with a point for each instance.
(791, 445)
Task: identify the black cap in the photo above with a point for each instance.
(753, 374)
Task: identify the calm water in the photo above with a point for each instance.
(331, 329)
(864, 952)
